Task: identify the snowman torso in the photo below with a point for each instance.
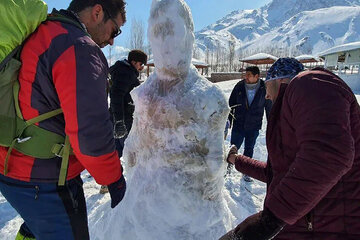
(179, 126)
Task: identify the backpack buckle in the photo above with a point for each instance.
(60, 150)
(21, 140)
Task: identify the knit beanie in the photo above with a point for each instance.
(137, 56)
(284, 68)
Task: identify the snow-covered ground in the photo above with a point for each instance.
(244, 198)
(247, 197)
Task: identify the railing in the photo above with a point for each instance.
(348, 69)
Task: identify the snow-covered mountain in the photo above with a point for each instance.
(305, 26)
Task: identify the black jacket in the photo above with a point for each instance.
(243, 116)
(124, 78)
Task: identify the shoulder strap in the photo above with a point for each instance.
(65, 162)
(13, 53)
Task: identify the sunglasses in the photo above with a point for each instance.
(117, 31)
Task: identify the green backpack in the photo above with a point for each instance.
(16, 133)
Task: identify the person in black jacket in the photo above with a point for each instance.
(247, 102)
(124, 76)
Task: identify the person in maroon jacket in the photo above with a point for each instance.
(313, 167)
(63, 66)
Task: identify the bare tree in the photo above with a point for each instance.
(195, 52)
(137, 34)
(207, 59)
(212, 60)
(207, 55)
(231, 45)
(217, 55)
(148, 49)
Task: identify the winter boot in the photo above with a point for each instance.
(21, 236)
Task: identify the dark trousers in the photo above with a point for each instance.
(49, 211)
(250, 136)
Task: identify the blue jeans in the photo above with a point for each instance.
(49, 211)
(250, 136)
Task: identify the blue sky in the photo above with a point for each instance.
(205, 12)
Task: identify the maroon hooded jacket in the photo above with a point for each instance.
(313, 168)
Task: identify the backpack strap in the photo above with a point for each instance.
(65, 162)
(7, 59)
(28, 147)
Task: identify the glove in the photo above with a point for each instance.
(233, 150)
(117, 191)
(260, 226)
(120, 129)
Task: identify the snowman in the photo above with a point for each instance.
(174, 154)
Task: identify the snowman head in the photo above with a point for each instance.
(171, 36)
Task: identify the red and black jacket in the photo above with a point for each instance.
(62, 67)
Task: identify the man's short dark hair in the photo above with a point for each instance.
(112, 7)
(253, 69)
(137, 56)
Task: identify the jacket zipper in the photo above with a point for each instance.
(37, 192)
(309, 221)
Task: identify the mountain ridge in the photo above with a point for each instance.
(301, 26)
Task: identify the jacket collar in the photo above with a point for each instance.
(129, 65)
(70, 15)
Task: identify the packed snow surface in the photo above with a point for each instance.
(243, 198)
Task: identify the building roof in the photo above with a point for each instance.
(196, 62)
(260, 58)
(307, 58)
(341, 48)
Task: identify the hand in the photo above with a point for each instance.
(232, 154)
(260, 226)
(120, 129)
(117, 191)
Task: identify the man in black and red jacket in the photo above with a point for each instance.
(64, 67)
